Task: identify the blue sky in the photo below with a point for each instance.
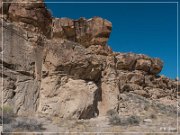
(149, 29)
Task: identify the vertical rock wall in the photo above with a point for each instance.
(24, 25)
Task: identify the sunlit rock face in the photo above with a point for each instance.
(94, 31)
(63, 67)
(31, 15)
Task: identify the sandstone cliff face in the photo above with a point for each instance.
(22, 55)
(31, 15)
(64, 68)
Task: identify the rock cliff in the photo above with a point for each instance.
(60, 67)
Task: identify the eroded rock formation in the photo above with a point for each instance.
(64, 68)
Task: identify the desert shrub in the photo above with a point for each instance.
(23, 124)
(27, 124)
(132, 120)
(115, 119)
(169, 110)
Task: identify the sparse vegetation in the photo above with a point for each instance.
(165, 109)
(8, 111)
(132, 120)
(115, 119)
(11, 123)
(8, 114)
(23, 124)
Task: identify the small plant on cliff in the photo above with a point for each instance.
(8, 111)
(8, 114)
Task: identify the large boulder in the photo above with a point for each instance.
(31, 15)
(131, 61)
(156, 66)
(94, 31)
(125, 61)
(67, 98)
(143, 64)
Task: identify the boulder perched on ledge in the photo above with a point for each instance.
(94, 31)
(28, 14)
(131, 61)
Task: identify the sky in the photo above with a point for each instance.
(146, 28)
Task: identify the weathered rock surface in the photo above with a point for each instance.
(68, 98)
(72, 59)
(60, 67)
(95, 31)
(28, 14)
(20, 88)
(129, 61)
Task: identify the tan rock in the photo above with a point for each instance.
(131, 61)
(66, 69)
(94, 31)
(130, 87)
(109, 88)
(71, 59)
(20, 58)
(141, 93)
(33, 16)
(149, 80)
(158, 93)
(157, 66)
(136, 78)
(73, 99)
(64, 28)
(99, 50)
(144, 65)
(125, 61)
